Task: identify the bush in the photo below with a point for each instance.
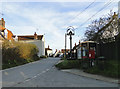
(17, 53)
(27, 51)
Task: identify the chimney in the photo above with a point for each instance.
(114, 16)
(48, 46)
(75, 44)
(35, 35)
(2, 19)
(2, 22)
(114, 13)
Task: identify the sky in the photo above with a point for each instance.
(51, 19)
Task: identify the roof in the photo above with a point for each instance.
(48, 49)
(88, 42)
(29, 37)
(76, 46)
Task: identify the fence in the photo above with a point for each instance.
(110, 50)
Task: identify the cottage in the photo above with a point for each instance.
(38, 40)
(48, 51)
(4, 32)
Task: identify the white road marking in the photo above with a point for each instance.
(27, 80)
(43, 71)
(36, 76)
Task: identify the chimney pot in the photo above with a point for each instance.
(75, 44)
(2, 19)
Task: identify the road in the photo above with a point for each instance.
(42, 73)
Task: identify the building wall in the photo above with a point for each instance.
(2, 27)
(43, 46)
(9, 35)
(39, 44)
(49, 52)
(79, 53)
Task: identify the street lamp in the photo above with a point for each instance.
(70, 32)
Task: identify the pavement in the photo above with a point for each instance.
(94, 76)
(97, 77)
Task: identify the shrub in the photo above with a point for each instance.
(17, 53)
(27, 51)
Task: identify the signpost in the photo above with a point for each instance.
(70, 32)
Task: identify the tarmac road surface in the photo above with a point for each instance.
(43, 73)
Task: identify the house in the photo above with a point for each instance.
(38, 40)
(9, 35)
(48, 51)
(63, 51)
(4, 32)
(2, 28)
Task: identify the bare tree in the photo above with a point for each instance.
(104, 29)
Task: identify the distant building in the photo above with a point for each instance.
(48, 51)
(38, 40)
(5, 33)
(63, 50)
(57, 53)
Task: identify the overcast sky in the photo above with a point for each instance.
(51, 19)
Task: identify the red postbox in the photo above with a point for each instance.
(91, 54)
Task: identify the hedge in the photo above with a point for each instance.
(17, 53)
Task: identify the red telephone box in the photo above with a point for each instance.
(88, 49)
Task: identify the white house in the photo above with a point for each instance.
(38, 40)
(48, 51)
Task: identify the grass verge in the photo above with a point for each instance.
(108, 68)
(68, 64)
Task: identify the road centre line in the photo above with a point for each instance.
(34, 76)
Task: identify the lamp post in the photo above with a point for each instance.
(70, 32)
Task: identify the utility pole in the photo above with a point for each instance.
(65, 43)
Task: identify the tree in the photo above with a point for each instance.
(104, 29)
